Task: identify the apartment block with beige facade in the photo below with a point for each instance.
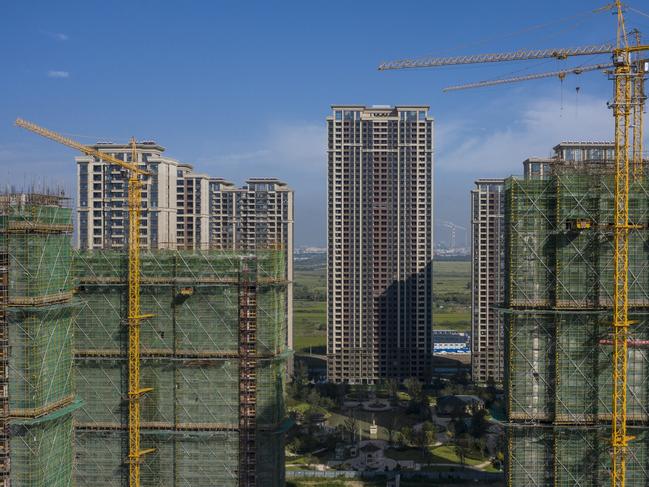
(379, 277)
(102, 213)
(258, 215)
(182, 209)
(487, 279)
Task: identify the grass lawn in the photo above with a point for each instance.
(302, 407)
(310, 321)
(336, 483)
(456, 318)
(302, 460)
(448, 454)
(310, 317)
(450, 280)
(438, 454)
(311, 278)
(384, 420)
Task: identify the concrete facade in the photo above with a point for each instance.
(379, 278)
(487, 279)
(102, 213)
(258, 215)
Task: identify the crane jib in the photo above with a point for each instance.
(560, 53)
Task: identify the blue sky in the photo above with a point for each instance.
(241, 89)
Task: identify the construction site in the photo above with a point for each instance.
(559, 299)
(212, 357)
(576, 290)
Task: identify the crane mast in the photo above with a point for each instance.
(623, 81)
(638, 111)
(135, 391)
(628, 105)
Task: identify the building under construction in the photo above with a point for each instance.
(213, 354)
(559, 295)
(37, 396)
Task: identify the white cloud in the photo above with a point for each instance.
(58, 74)
(533, 132)
(59, 36)
(283, 146)
(304, 144)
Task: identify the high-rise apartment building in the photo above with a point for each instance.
(488, 257)
(258, 215)
(183, 210)
(102, 215)
(192, 209)
(573, 152)
(379, 279)
(559, 296)
(180, 208)
(487, 279)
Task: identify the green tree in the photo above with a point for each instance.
(300, 380)
(295, 445)
(414, 387)
(424, 436)
(479, 424)
(350, 427)
(406, 436)
(461, 453)
(430, 432)
(313, 398)
(392, 387)
(341, 390)
(392, 428)
(481, 446)
(500, 445)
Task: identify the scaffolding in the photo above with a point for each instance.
(219, 317)
(4, 363)
(558, 312)
(560, 242)
(36, 314)
(540, 455)
(247, 378)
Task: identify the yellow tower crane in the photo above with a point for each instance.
(628, 104)
(135, 391)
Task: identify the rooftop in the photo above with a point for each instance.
(143, 145)
(381, 107)
(583, 143)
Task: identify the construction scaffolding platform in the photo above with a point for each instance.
(214, 354)
(558, 292)
(540, 455)
(36, 332)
